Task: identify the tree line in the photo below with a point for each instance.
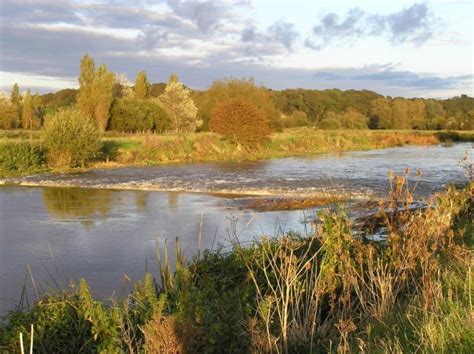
(115, 103)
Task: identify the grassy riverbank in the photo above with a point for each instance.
(329, 291)
(149, 149)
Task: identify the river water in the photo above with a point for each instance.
(105, 225)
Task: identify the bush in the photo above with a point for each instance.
(132, 115)
(296, 119)
(20, 158)
(240, 121)
(329, 124)
(71, 138)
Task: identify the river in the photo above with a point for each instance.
(105, 225)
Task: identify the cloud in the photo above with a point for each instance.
(415, 24)
(276, 39)
(201, 40)
(284, 32)
(153, 37)
(207, 15)
(388, 75)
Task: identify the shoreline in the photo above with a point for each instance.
(141, 150)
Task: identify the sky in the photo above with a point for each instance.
(399, 48)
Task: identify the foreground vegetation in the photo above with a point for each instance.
(26, 152)
(334, 290)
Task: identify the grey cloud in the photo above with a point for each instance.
(207, 15)
(284, 32)
(415, 24)
(249, 34)
(39, 11)
(269, 41)
(153, 37)
(387, 75)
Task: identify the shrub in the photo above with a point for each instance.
(240, 121)
(132, 115)
(20, 158)
(296, 119)
(71, 138)
(329, 123)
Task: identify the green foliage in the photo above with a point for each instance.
(317, 103)
(350, 119)
(62, 98)
(58, 327)
(9, 113)
(95, 94)
(296, 119)
(329, 123)
(21, 158)
(71, 138)
(15, 96)
(104, 323)
(134, 115)
(240, 121)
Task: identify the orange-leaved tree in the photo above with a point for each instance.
(240, 121)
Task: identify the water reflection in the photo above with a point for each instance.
(66, 203)
(141, 200)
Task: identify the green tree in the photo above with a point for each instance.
(71, 138)
(85, 98)
(417, 114)
(179, 106)
(102, 87)
(16, 97)
(95, 91)
(381, 114)
(353, 119)
(435, 114)
(142, 86)
(9, 118)
(132, 115)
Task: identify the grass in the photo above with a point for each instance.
(324, 292)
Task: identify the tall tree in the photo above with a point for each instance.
(16, 104)
(16, 97)
(102, 87)
(27, 111)
(181, 109)
(85, 98)
(142, 86)
(95, 91)
(37, 107)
